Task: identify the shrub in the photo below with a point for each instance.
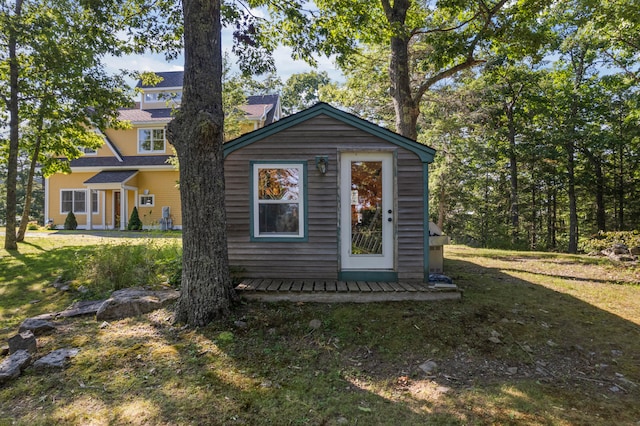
(32, 226)
(135, 224)
(603, 240)
(70, 223)
(113, 267)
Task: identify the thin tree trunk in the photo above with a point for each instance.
(621, 203)
(197, 134)
(24, 222)
(513, 170)
(10, 242)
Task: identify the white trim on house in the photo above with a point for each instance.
(109, 144)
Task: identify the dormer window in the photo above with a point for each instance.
(151, 141)
(163, 96)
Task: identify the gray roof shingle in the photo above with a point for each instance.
(170, 79)
(111, 176)
(129, 161)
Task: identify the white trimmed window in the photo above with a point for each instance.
(147, 200)
(163, 96)
(151, 141)
(94, 202)
(88, 151)
(278, 200)
(74, 200)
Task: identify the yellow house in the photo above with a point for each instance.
(132, 167)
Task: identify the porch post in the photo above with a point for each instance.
(124, 197)
(90, 209)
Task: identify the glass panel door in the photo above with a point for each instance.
(367, 211)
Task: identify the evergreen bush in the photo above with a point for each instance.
(70, 223)
(135, 224)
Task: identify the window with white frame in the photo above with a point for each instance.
(163, 96)
(94, 202)
(88, 151)
(278, 200)
(74, 200)
(151, 141)
(147, 200)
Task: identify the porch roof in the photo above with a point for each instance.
(110, 177)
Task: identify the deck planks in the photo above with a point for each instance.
(342, 291)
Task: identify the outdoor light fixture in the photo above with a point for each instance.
(146, 192)
(322, 164)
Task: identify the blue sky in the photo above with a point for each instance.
(284, 64)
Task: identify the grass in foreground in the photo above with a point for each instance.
(537, 339)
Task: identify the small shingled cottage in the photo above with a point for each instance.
(323, 194)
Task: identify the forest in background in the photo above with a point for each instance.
(533, 108)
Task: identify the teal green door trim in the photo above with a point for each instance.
(368, 275)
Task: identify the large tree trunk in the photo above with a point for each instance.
(197, 135)
(407, 109)
(10, 242)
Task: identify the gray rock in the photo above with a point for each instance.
(12, 366)
(23, 341)
(635, 250)
(512, 370)
(315, 324)
(37, 326)
(132, 302)
(240, 324)
(620, 249)
(85, 307)
(56, 359)
(429, 367)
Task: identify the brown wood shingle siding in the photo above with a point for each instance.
(318, 257)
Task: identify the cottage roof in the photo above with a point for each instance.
(424, 152)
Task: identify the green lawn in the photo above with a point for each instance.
(538, 339)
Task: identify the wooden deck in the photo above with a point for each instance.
(343, 291)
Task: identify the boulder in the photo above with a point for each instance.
(12, 366)
(23, 341)
(36, 326)
(56, 359)
(635, 250)
(131, 302)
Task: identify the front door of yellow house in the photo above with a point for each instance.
(367, 211)
(116, 209)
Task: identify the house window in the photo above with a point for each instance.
(74, 200)
(88, 151)
(163, 96)
(150, 140)
(94, 202)
(147, 200)
(279, 207)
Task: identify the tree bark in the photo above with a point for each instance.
(10, 242)
(26, 211)
(197, 135)
(407, 109)
(513, 171)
